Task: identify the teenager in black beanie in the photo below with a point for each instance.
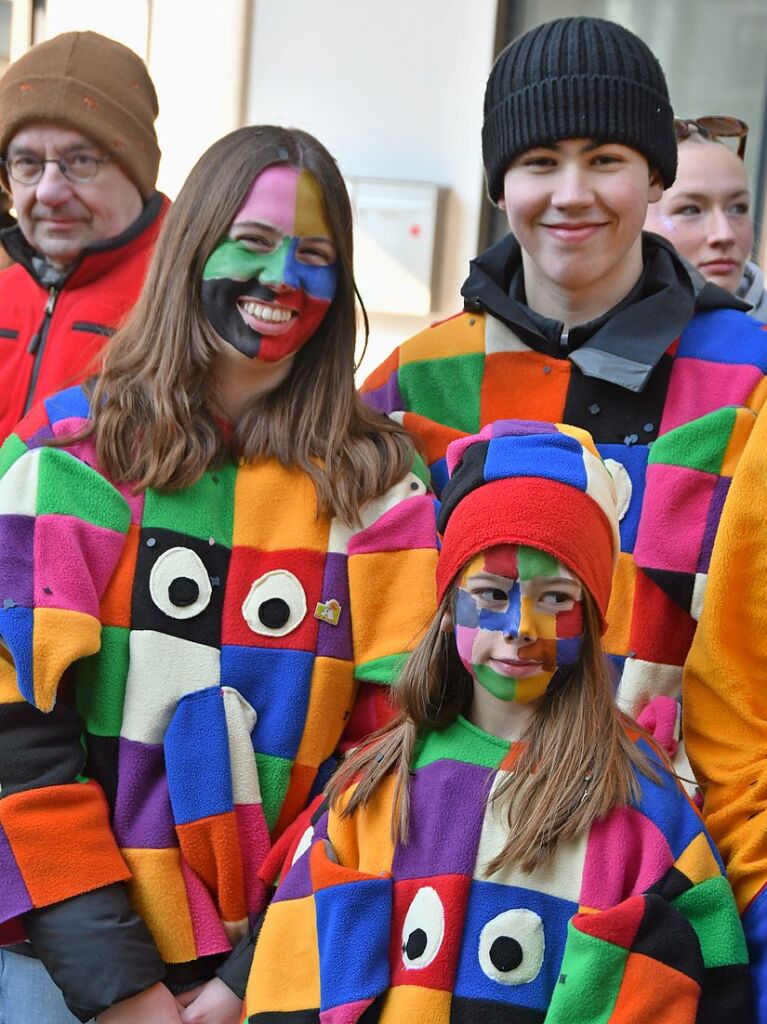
(576, 316)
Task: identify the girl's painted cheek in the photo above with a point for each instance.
(569, 635)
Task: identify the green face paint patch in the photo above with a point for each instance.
(533, 562)
(234, 260)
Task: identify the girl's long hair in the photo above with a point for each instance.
(577, 763)
(150, 420)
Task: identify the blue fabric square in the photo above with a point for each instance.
(439, 474)
(197, 757)
(500, 918)
(665, 804)
(277, 683)
(634, 460)
(16, 625)
(725, 336)
(353, 926)
(67, 404)
(551, 456)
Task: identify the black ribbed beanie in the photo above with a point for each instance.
(576, 78)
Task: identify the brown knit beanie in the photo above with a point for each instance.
(93, 85)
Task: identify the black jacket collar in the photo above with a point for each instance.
(622, 346)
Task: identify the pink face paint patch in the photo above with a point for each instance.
(271, 199)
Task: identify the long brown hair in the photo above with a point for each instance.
(150, 420)
(577, 760)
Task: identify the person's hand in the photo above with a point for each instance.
(155, 1004)
(213, 1003)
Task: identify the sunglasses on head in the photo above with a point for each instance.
(713, 128)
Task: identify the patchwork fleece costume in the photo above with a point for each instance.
(667, 381)
(630, 921)
(175, 671)
(725, 688)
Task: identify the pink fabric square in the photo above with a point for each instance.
(209, 934)
(674, 515)
(697, 387)
(410, 524)
(73, 563)
(626, 854)
(254, 846)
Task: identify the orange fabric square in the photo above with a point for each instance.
(365, 839)
(330, 704)
(158, 893)
(524, 386)
(413, 1003)
(652, 991)
(393, 595)
(287, 509)
(275, 985)
(62, 841)
(301, 778)
(211, 846)
(433, 438)
(618, 636)
(116, 602)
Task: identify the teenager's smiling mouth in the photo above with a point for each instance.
(265, 317)
(575, 231)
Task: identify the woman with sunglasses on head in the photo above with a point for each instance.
(204, 554)
(706, 213)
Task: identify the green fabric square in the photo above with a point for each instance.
(383, 670)
(67, 487)
(12, 449)
(700, 445)
(710, 909)
(204, 510)
(274, 779)
(101, 683)
(445, 390)
(461, 741)
(589, 980)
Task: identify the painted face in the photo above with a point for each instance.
(267, 286)
(518, 618)
(706, 213)
(577, 209)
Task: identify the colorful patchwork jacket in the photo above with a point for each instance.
(667, 383)
(725, 698)
(175, 671)
(633, 921)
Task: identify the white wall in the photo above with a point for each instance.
(394, 91)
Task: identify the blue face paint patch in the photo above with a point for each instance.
(568, 650)
(506, 622)
(466, 611)
(319, 281)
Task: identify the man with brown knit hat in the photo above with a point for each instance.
(79, 156)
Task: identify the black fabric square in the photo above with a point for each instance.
(488, 1011)
(101, 763)
(726, 995)
(667, 936)
(614, 415)
(679, 586)
(468, 476)
(179, 586)
(673, 884)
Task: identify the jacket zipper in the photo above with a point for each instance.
(36, 345)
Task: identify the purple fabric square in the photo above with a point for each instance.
(14, 896)
(712, 522)
(447, 804)
(17, 559)
(387, 398)
(336, 641)
(142, 815)
(40, 437)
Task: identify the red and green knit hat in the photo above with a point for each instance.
(543, 485)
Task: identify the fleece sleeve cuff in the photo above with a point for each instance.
(96, 949)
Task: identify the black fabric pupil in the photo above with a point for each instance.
(416, 944)
(183, 592)
(274, 613)
(505, 954)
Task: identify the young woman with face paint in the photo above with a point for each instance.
(511, 848)
(224, 555)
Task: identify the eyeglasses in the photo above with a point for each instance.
(713, 128)
(78, 168)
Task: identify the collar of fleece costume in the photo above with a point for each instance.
(538, 484)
